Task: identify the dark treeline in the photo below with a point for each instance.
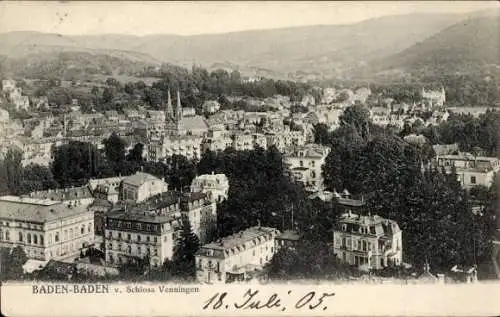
(431, 208)
(195, 86)
(479, 135)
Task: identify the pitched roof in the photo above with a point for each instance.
(36, 210)
(238, 241)
(72, 193)
(139, 178)
(194, 123)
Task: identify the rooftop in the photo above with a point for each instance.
(240, 238)
(121, 214)
(289, 235)
(139, 178)
(36, 210)
(63, 194)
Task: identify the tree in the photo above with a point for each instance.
(179, 171)
(12, 262)
(358, 117)
(114, 147)
(76, 162)
(183, 259)
(321, 134)
(135, 154)
(13, 170)
(36, 177)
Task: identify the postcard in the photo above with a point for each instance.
(239, 158)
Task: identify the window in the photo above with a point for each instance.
(28, 238)
(128, 236)
(89, 227)
(20, 237)
(65, 234)
(139, 238)
(473, 179)
(1, 235)
(82, 230)
(71, 233)
(148, 239)
(7, 235)
(119, 235)
(129, 249)
(301, 163)
(35, 239)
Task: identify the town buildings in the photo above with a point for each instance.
(46, 229)
(471, 170)
(132, 236)
(304, 163)
(148, 230)
(141, 186)
(366, 241)
(216, 186)
(236, 257)
(434, 98)
(77, 196)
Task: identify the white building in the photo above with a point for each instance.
(471, 170)
(45, 229)
(131, 236)
(141, 186)
(369, 242)
(77, 196)
(235, 257)
(215, 185)
(305, 165)
(185, 145)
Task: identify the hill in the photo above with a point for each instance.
(468, 46)
(330, 50)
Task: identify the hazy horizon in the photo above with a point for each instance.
(204, 18)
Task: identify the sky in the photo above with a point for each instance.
(189, 18)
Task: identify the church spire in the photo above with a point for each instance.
(179, 106)
(169, 111)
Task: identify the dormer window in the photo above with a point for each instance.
(344, 227)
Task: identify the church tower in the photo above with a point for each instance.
(169, 111)
(179, 107)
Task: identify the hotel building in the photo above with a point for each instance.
(236, 257)
(46, 229)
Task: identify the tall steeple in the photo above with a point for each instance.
(169, 111)
(179, 106)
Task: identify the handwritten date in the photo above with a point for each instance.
(252, 299)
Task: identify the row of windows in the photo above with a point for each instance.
(138, 237)
(128, 249)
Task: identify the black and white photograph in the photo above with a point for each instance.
(209, 144)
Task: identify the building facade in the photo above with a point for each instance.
(305, 165)
(46, 229)
(236, 257)
(216, 186)
(132, 236)
(368, 242)
(471, 170)
(141, 186)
